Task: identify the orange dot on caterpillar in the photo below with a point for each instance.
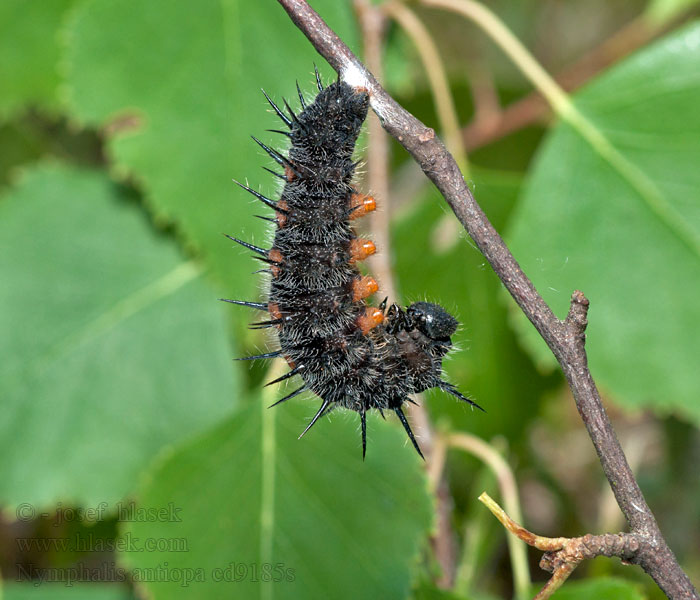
(282, 213)
(361, 249)
(360, 205)
(274, 310)
(369, 319)
(276, 257)
(363, 287)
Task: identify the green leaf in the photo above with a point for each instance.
(617, 216)
(250, 495)
(177, 87)
(602, 588)
(112, 346)
(29, 53)
(62, 591)
(662, 11)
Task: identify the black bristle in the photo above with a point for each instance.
(267, 261)
(317, 416)
(351, 210)
(302, 102)
(261, 251)
(291, 373)
(277, 109)
(271, 203)
(276, 174)
(265, 218)
(287, 133)
(266, 324)
(363, 422)
(276, 156)
(292, 114)
(319, 85)
(289, 396)
(258, 305)
(451, 389)
(268, 355)
(407, 427)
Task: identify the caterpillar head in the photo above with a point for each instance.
(432, 320)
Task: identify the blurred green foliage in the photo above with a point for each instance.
(121, 127)
(292, 506)
(623, 224)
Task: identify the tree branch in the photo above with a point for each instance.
(565, 338)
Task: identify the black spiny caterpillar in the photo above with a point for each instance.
(349, 354)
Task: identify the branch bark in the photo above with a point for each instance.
(566, 339)
(563, 555)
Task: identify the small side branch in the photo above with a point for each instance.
(562, 555)
(565, 338)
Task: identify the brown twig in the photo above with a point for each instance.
(563, 555)
(565, 338)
